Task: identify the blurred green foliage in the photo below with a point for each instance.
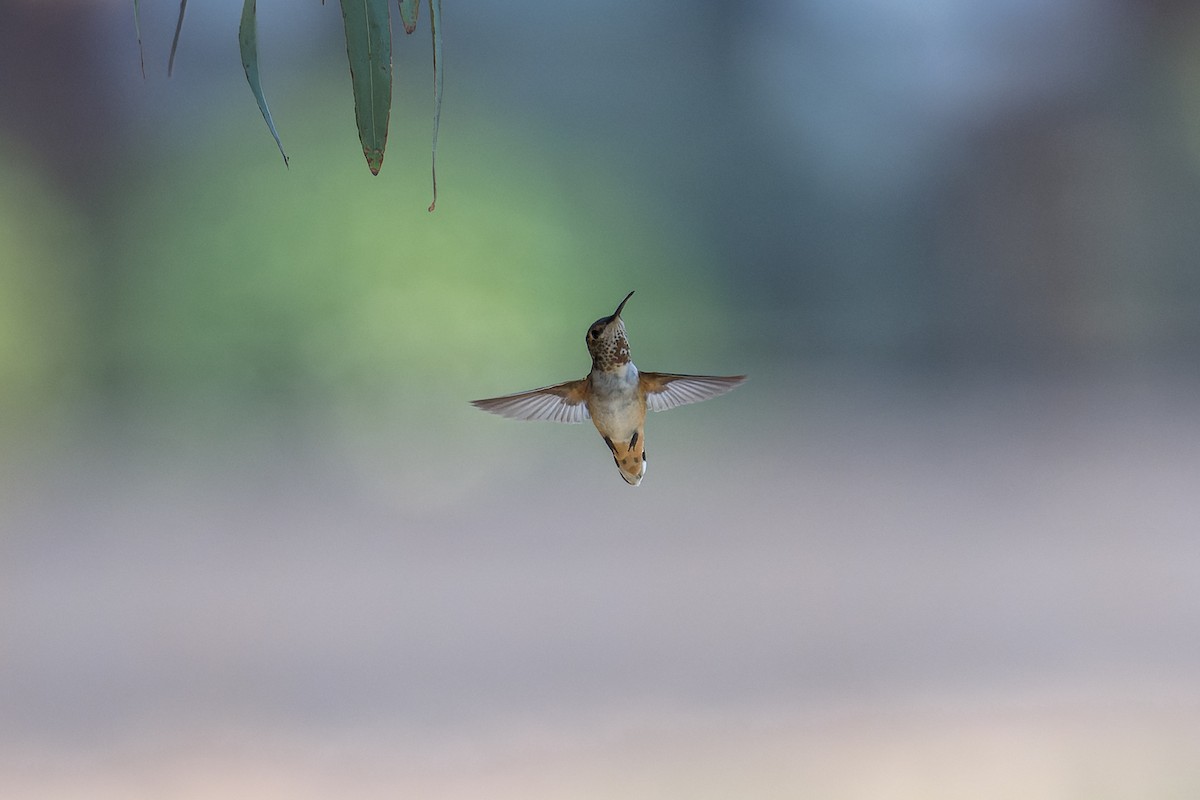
(42, 249)
(237, 288)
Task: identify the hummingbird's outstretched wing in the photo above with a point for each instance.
(562, 402)
(664, 390)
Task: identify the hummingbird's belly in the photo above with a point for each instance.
(616, 406)
(617, 417)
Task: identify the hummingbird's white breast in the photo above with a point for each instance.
(615, 404)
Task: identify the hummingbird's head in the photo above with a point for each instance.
(606, 340)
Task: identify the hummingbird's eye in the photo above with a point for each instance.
(593, 333)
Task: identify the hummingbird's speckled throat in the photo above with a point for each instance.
(615, 396)
(606, 340)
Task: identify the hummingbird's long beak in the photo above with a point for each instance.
(617, 313)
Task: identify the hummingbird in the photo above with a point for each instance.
(614, 395)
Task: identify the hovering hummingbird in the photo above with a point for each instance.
(614, 395)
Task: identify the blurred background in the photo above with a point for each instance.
(254, 543)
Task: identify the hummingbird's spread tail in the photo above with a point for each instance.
(630, 457)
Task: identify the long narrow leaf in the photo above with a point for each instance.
(369, 49)
(248, 43)
(408, 14)
(175, 41)
(435, 23)
(137, 29)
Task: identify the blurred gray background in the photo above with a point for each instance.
(255, 544)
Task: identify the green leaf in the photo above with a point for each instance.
(435, 21)
(408, 14)
(137, 29)
(175, 41)
(248, 43)
(369, 48)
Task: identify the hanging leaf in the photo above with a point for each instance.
(248, 43)
(369, 48)
(175, 41)
(137, 29)
(435, 25)
(408, 14)
(369, 51)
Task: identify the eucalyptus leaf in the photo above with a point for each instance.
(408, 14)
(435, 22)
(175, 41)
(137, 29)
(369, 49)
(248, 44)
